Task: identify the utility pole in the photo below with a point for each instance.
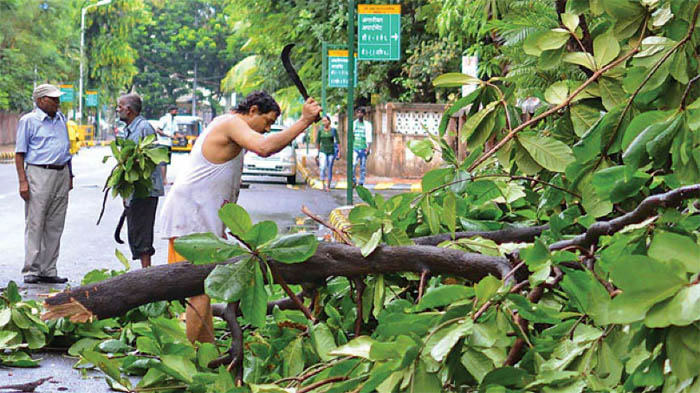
(351, 97)
(83, 11)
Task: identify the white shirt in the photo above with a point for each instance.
(169, 126)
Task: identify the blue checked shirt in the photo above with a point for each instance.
(138, 129)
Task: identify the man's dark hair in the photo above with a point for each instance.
(361, 110)
(264, 102)
(172, 108)
(132, 101)
(327, 117)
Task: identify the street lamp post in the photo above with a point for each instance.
(83, 11)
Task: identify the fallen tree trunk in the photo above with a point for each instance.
(120, 294)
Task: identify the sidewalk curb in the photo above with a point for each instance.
(315, 183)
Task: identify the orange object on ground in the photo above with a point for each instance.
(198, 317)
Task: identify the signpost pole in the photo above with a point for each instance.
(351, 98)
(324, 76)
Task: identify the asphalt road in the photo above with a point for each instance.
(85, 246)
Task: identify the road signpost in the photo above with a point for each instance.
(379, 32)
(338, 72)
(67, 91)
(91, 98)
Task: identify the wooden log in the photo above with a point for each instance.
(120, 294)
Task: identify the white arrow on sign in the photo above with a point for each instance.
(395, 36)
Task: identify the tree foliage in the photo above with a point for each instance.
(602, 296)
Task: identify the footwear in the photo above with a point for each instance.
(31, 279)
(52, 279)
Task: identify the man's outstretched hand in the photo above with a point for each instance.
(311, 110)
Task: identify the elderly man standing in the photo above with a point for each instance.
(141, 213)
(43, 161)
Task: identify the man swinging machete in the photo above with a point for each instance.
(211, 177)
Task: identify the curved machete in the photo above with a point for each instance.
(287, 62)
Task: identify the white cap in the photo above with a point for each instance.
(46, 90)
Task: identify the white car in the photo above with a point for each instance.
(282, 163)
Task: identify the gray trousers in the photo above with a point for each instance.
(44, 216)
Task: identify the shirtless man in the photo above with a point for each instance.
(211, 178)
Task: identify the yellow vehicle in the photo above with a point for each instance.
(73, 136)
(188, 129)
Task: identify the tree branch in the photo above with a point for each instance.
(646, 209)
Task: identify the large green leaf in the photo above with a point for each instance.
(254, 300)
(360, 347)
(235, 218)
(444, 295)
(260, 233)
(548, 152)
(553, 39)
(684, 351)
(636, 153)
(229, 282)
(606, 48)
(557, 93)
(447, 337)
(472, 123)
(107, 365)
(201, 248)
(611, 93)
(581, 58)
(644, 282)
(669, 245)
(681, 310)
(293, 248)
(423, 148)
(323, 341)
(455, 79)
(178, 367)
(436, 178)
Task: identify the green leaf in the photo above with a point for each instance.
(455, 79)
(260, 233)
(532, 312)
(553, 39)
(108, 366)
(581, 58)
(448, 337)
(507, 376)
(359, 347)
(293, 248)
(6, 337)
(366, 195)
(548, 152)
(606, 48)
(684, 351)
(436, 178)
(557, 93)
(148, 345)
(124, 261)
(444, 295)
(423, 148)
(636, 154)
(229, 282)
(235, 218)
(681, 310)
(12, 292)
(178, 367)
(668, 245)
(113, 346)
(644, 282)
(640, 123)
(254, 300)
(570, 21)
(611, 93)
(475, 120)
(476, 363)
(323, 342)
(157, 154)
(372, 244)
(201, 248)
(18, 359)
(458, 105)
(5, 317)
(487, 288)
(293, 358)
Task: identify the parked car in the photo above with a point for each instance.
(282, 163)
(188, 129)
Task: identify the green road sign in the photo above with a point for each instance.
(67, 91)
(379, 32)
(91, 98)
(338, 69)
